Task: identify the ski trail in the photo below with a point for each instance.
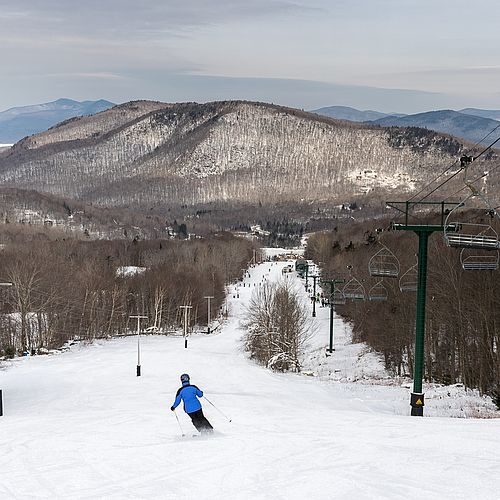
(82, 425)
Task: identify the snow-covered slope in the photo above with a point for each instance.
(82, 425)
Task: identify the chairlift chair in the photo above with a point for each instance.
(470, 235)
(378, 292)
(409, 280)
(384, 264)
(477, 260)
(354, 290)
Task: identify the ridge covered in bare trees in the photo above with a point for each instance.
(150, 154)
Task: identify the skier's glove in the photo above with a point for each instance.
(172, 408)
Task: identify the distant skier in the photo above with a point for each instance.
(189, 394)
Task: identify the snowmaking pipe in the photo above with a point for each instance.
(221, 412)
(178, 421)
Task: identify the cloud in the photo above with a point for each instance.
(480, 80)
(147, 18)
(92, 76)
(92, 46)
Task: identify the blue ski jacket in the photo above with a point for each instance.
(189, 395)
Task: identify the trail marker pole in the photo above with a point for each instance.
(138, 342)
(1, 400)
(208, 315)
(186, 309)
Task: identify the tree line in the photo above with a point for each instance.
(65, 289)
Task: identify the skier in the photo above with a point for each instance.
(189, 394)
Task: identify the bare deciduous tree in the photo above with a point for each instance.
(278, 325)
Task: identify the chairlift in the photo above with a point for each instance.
(378, 292)
(409, 280)
(460, 234)
(478, 260)
(468, 235)
(384, 264)
(354, 290)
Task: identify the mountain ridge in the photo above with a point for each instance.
(470, 127)
(471, 124)
(148, 153)
(351, 114)
(22, 121)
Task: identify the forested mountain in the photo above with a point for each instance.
(19, 122)
(471, 124)
(147, 154)
(31, 211)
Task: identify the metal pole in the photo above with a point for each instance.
(307, 274)
(138, 371)
(417, 397)
(332, 282)
(180, 426)
(1, 400)
(423, 232)
(185, 328)
(332, 294)
(185, 324)
(138, 348)
(220, 411)
(314, 296)
(208, 315)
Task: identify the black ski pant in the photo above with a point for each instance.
(200, 422)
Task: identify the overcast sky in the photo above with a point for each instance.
(306, 54)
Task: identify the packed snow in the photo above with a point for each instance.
(81, 424)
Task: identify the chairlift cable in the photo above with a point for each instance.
(453, 164)
(434, 180)
(473, 181)
(461, 169)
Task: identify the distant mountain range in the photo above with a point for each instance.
(494, 114)
(471, 124)
(472, 128)
(352, 114)
(16, 123)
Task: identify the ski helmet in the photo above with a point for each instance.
(184, 377)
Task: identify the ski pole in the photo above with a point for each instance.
(221, 412)
(180, 426)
